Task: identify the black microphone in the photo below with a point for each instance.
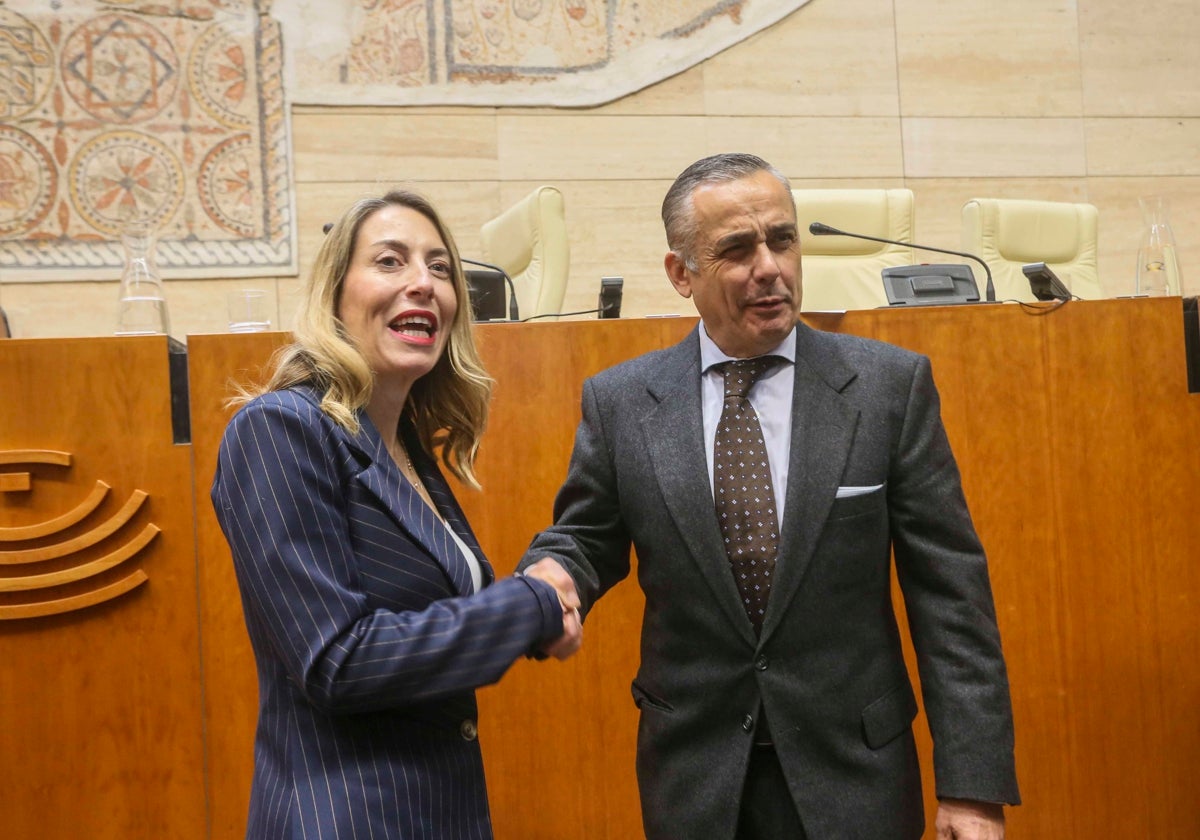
(822, 229)
(512, 292)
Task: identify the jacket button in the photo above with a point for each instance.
(760, 664)
(468, 730)
(748, 723)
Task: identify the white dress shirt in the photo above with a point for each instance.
(469, 556)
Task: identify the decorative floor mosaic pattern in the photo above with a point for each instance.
(170, 111)
(504, 52)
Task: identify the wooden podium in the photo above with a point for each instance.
(127, 690)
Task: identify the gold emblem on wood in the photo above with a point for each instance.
(45, 561)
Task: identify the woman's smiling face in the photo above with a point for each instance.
(398, 300)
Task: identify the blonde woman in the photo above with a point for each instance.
(371, 609)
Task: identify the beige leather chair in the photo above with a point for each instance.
(1009, 233)
(845, 273)
(529, 241)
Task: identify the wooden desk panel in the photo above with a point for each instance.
(1076, 439)
(1072, 430)
(216, 365)
(566, 729)
(1125, 505)
(100, 732)
(1048, 414)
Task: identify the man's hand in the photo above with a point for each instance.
(964, 819)
(549, 570)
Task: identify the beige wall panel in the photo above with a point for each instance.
(1145, 146)
(202, 306)
(391, 110)
(389, 145)
(678, 95)
(54, 310)
(1121, 226)
(993, 148)
(978, 58)
(804, 183)
(1137, 60)
(815, 147)
(61, 310)
(582, 146)
(799, 66)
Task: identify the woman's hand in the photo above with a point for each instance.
(549, 570)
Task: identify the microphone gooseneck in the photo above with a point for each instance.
(822, 229)
(512, 291)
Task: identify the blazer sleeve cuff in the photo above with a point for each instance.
(551, 612)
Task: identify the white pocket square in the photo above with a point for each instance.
(850, 491)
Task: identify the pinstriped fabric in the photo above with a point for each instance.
(368, 640)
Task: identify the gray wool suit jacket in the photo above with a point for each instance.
(828, 669)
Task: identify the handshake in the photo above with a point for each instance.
(551, 572)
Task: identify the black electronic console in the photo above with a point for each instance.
(486, 289)
(485, 285)
(1045, 283)
(930, 285)
(609, 304)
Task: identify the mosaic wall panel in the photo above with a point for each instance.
(170, 111)
(504, 52)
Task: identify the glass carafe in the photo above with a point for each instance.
(143, 307)
(1157, 263)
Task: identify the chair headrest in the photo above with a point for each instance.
(873, 212)
(1027, 230)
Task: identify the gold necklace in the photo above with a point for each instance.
(414, 478)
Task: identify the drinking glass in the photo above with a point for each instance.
(248, 311)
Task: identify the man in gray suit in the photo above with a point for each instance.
(773, 694)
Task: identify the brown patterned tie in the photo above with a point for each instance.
(742, 488)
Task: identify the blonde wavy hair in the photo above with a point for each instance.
(448, 406)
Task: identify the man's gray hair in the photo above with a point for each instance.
(678, 217)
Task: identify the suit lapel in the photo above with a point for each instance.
(823, 425)
(674, 434)
(448, 506)
(382, 477)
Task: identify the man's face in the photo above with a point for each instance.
(746, 285)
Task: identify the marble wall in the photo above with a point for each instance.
(1094, 100)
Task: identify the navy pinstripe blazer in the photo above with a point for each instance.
(368, 640)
